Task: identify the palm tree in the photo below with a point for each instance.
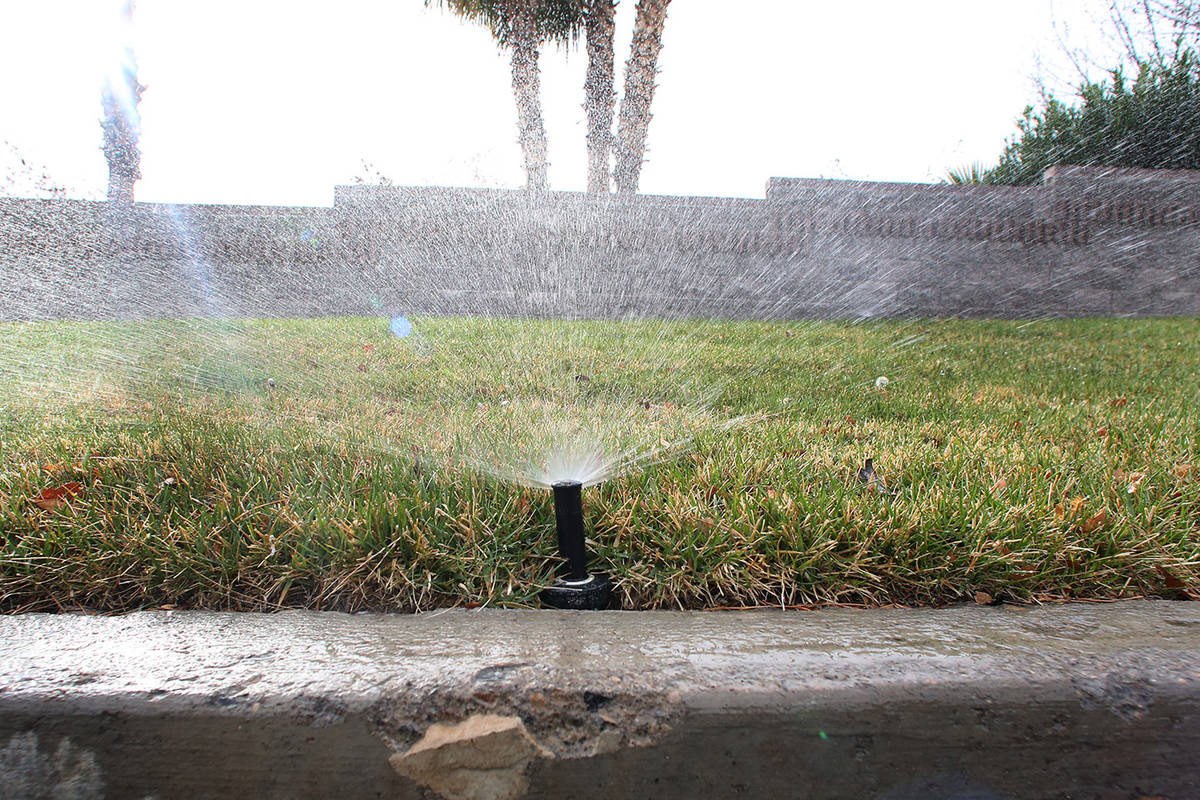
(640, 72)
(968, 175)
(522, 26)
(122, 123)
(598, 91)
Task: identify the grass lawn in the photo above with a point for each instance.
(329, 464)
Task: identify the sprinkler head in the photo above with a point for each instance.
(575, 588)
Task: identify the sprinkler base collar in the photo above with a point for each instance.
(590, 594)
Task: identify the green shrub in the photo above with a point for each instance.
(1153, 123)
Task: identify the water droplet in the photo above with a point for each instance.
(401, 326)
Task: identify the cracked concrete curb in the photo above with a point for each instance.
(1079, 701)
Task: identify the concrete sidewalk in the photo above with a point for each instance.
(1075, 701)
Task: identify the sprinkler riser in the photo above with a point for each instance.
(568, 517)
(575, 588)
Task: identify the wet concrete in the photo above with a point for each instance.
(1077, 701)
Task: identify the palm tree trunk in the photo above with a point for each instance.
(526, 88)
(640, 71)
(121, 123)
(598, 89)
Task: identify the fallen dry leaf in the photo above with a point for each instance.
(1101, 432)
(1169, 580)
(999, 486)
(1135, 480)
(983, 598)
(368, 348)
(1095, 521)
(1076, 505)
(51, 498)
(1183, 470)
(1172, 582)
(1120, 401)
(362, 367)
(1060, 512)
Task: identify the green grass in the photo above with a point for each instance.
(1023, 461)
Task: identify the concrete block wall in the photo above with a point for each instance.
(1088, 242)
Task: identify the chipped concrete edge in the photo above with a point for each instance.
(508, 704)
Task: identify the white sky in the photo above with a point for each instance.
(276, 101)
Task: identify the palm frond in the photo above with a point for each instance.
(974, 173)
(559, 21)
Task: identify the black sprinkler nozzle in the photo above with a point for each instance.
(568, 515)
(575, 587)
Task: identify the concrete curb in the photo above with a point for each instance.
(1079, 701)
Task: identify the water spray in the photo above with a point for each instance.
(575, 588)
